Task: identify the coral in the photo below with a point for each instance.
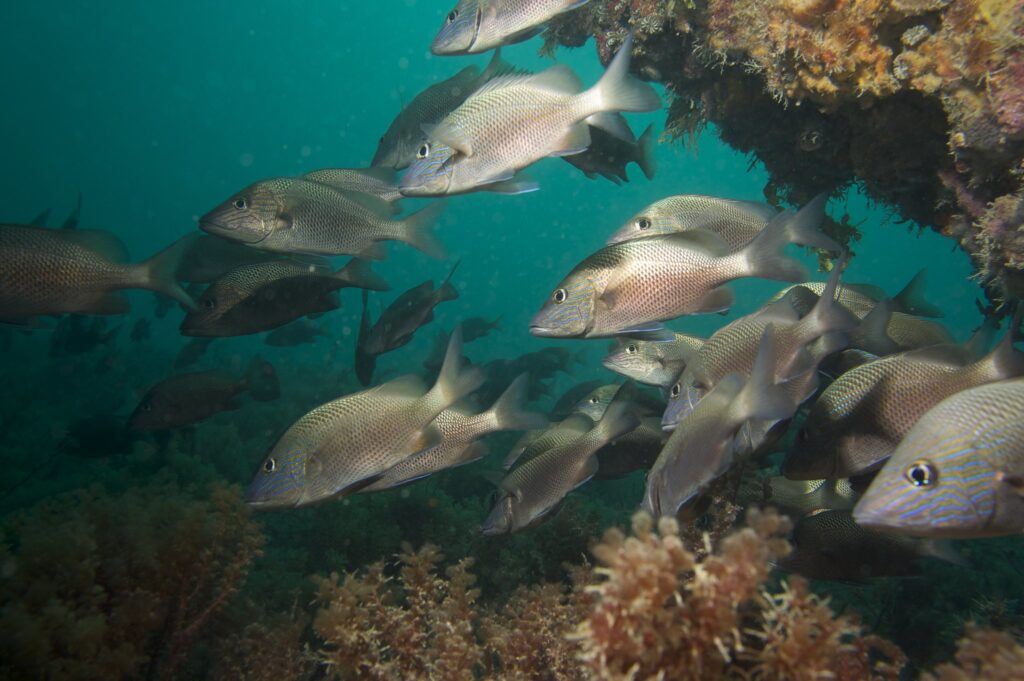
(268, 647)
(109, 587)
(983, 654)
(920, 102)
(661, 612)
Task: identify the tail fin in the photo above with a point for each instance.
(873, 335)
(942, 549)
(764, 257)
(645, 157)
(804, 227)
(980, 342)
(619, 91)
(827, 316)
(418, 231)
(261, 380)
(496, 324)
(159, 272)
(507, 412)
(760, 398)
(454, 382)
(1005, 361)
(359, 274)
(912, 298)
(613, 123)
(446, 291)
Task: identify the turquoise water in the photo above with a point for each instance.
(157, 112)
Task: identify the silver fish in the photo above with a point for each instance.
(859, 420)
(397, 146)
(701, 448)
(632, 286)
(653, 362)
(959, 472)
(461, 431)
(737, 222)
(51, 271)
(516, 120)
(596, 402)
(350, 442)
(378, 182)
(536, 442)
(798, 498)
(536, 487)
(480, 25)
(293, 215)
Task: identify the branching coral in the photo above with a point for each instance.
(983, 654)
(102, 587)
(663, 613)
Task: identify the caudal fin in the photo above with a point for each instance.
(447, 291)
(911, 299)
(159, 272)
(828, 317)
(358, 274)
(418, 231)
(619, 91)
(873, 334)
(645, 158)
(760, 398)
(804, 227)
(764, 257)
(455, 381)
(508, 412)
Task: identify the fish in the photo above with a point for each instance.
(831, 545)
(192, 352)
(377, 182)
(476, 328)
(859, 420)
(365, 363)
(97, 436)
(208, 258)
(959, 472)
(407, 313)
(566, 402)
(634, 451)
(461, 431)
(609, 156)
(657, 363)
(515, 120)
(141, 331)
(350, 442)
(798, 498)
(538, 441)
(535, 488)
(633, 286)
(594, 404)
(185, 399)
(293, 215)
(298, 332)
(479, 25)
(801, 343)
(76, 335)
(50, 271)
(861, 298)
(264, 296)
(397, 146)
(73, 219)
(701, 448)
(737, 223)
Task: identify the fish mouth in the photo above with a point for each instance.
(544, 331)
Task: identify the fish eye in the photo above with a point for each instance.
(559, 296)
(423, 151)
(922, 474)
(270, 465)
(240, 203)
(676, 389)
(453, 15)
(146, 406)
(209, 303)
(643, 223)
(594, 400)
(631, 348)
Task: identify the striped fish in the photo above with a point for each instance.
(959, 472)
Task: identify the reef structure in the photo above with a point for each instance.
(919, 102)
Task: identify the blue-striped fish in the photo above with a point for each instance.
(959, 472)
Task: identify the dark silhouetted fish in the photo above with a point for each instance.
(407, 313)
(365, 362)
(298, 332)
(209, 258)
(50, 271)
(608, 156)
(476, 328)
(141, 331)
(192, 352)
(264, 296)
(77, 335)
(189, 398)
